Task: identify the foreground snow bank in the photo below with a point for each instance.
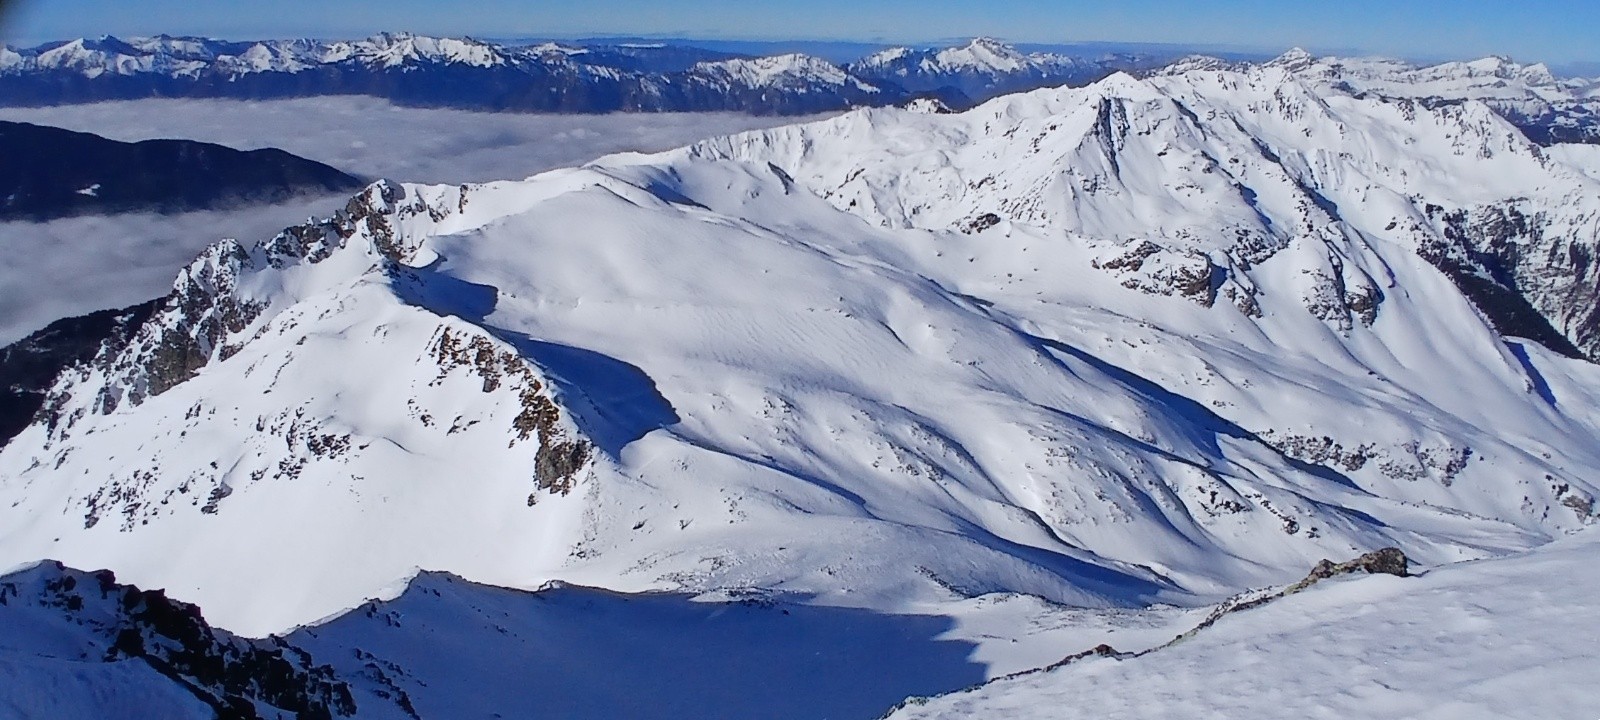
(1489, 639)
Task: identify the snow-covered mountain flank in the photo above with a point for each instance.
(986, 67)
(1478, 641)
(1149, 341)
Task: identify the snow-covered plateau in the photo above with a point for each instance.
(976, 391)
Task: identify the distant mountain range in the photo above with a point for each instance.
(622, 76)
(48, 172)
(545, 77)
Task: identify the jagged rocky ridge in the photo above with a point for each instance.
(79, 644)
(207, 316)
(31, 365)
(1147, 341)
(160, 656)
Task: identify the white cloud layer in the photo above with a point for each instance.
(370, 137)
(73, 266)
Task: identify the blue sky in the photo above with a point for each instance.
(1549, 30)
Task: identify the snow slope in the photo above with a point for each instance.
(1509, 637)
(80, 644)
(1141, 342)
(1549, 109)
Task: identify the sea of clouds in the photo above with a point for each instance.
(72, 266)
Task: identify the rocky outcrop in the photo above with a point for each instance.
(1385, 561)
(560, 456)
(1150, 268)
(235, 677)
(31, 365)
(205, 317)
(1528, 279)
(187, 329)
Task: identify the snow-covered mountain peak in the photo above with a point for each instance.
(984, 55)
(791, 70)
(1496, 65)
(1294, 59)
(398, 49)
(1192, 63)
(1147, 340)
(887, 55)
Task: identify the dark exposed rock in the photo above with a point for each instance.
(1154, 269)
(232, 675)
(48, 172)
(1387, 561)
(29, 366)
(559, 457)
(979, 223)
(184, 331)
(1526, 283)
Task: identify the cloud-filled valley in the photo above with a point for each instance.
(76, 265)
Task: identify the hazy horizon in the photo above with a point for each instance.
(1558, 32)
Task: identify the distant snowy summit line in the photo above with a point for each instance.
(985, 68)
(1548, 109)
(470, 73)
(545, 77)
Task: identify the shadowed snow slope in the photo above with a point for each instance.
(80, 645)
(1489, 639)
(1146, 341)
(458, 650)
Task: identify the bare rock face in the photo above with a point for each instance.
(1528, 276)
(235, 677)
(1387, 561)
(30, 366)
(978, 223)
(1151, 268)
(560, 456)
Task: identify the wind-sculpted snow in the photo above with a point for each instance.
(1143, 342)
(1489, 639)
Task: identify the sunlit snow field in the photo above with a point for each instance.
(73, 266)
